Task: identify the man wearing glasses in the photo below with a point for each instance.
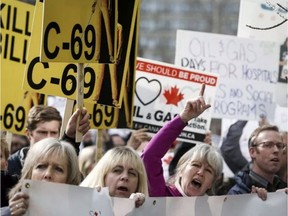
(266, 148)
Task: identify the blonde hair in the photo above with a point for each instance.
(112, 158)
(44, 149)
(87, 159)
(201, 152)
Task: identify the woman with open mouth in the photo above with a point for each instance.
(122, 171)
(197, 170)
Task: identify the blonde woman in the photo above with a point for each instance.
(122, 171)
(87, 159)
(47, 160)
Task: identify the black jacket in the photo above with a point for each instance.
(7, 182)
(244, 182)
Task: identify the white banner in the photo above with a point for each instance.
(48, 199)
(161, 93)
(53, 199)
(248, 71)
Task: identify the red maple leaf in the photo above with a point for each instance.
(173, 96)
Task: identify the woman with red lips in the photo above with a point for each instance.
(122, 171)
(47, 160)
(197, 170)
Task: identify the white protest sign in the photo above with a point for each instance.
(263, 19)
(267, 20)
(54, 199)
(281, 118)
(236, 205)
(161, 93)
(51, 199)
(252, 205)
(247, 69)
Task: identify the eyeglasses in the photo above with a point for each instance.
(270, 145)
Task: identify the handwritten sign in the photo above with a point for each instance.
(267, 20)
(16, 20)
(247, 71)
(161, 93)
(263, 20)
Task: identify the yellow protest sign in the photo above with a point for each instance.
(59, 79)
(103, 83)
(16, 20)
(79, 31)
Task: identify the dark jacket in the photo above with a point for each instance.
(7, 182)
(230, 148)
(246, 178)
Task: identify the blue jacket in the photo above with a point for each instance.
(5, 211)
(244, 183)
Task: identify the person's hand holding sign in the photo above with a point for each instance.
(194, 107)
(84, 124)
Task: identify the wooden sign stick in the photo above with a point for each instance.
(79, 97)
(99, 146)
(69, 104)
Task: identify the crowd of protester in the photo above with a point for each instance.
(132, 164)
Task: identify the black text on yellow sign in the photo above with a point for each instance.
(16, 25)
(77, 47)
(15, 32)
(87, 36)
(102, 117)
(60, 79)
(13, 118)
(65, 82)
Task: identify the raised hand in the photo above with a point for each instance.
(84, 124)
(137, 137)
(194, 107)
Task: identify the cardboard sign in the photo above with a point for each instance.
(267, 20)
(247, 71)
(16, 20)
(161, 93)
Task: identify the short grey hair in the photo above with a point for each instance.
(201, 152)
